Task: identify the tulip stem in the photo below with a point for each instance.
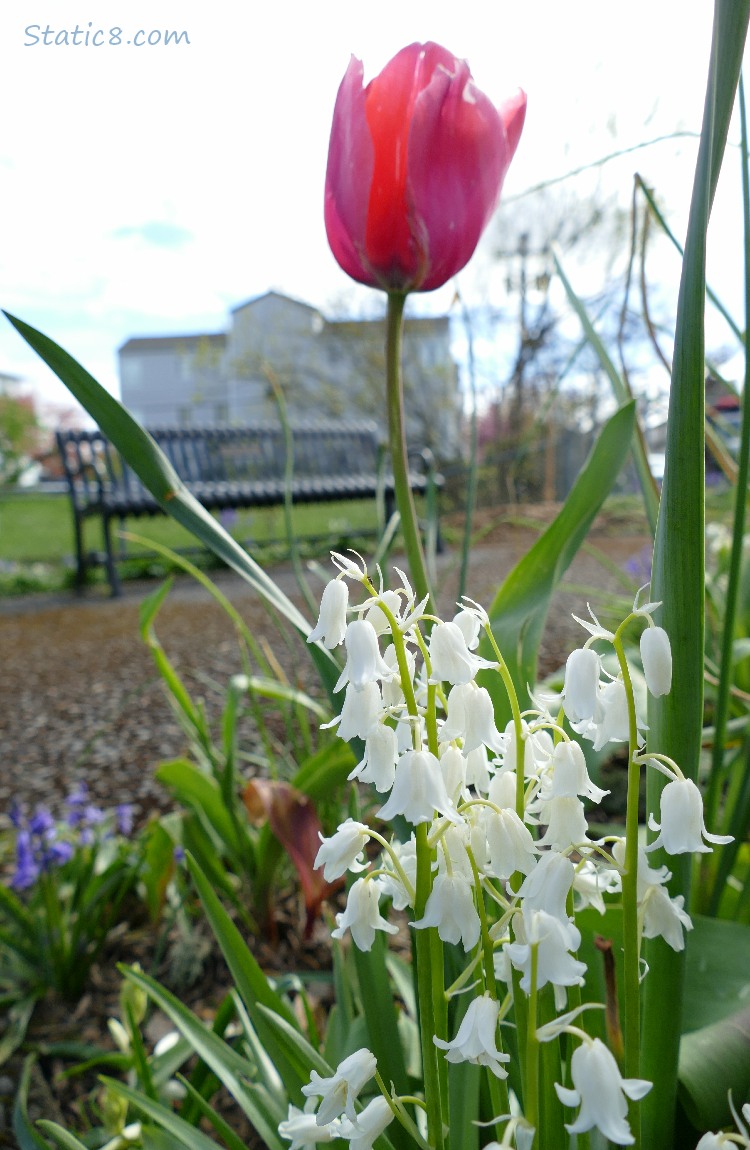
(397, 443)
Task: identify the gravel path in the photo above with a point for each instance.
(80, 698)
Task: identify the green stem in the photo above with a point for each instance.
(630, 891)
(397, 443)
(531, 1083)
(426, 990)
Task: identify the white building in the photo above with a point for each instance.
(323, 368)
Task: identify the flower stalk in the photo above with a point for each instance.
(398, 446)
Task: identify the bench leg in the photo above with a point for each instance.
(80, 557)
(112, 576)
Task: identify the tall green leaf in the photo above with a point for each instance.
(675, 720)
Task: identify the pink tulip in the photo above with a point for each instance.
(415, 167)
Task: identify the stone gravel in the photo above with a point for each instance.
(80, 698)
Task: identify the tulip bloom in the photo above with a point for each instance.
(416, 163)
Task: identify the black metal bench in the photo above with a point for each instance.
(229, 468)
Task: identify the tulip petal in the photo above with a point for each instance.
(458, 157)
(348, 176)
(513, 113)
(392, 246)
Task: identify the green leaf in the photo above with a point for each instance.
(222, 1128)
(252, 985)
(27, 1137)
(713, 1062)
(157, 867)
(234, 1071)
(185, 1133)
(381, 1014)
(202, 794)
(520, 607)
(59, 1136)
(326, 770)
(12, 906)
(16, 1024)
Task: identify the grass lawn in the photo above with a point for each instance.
(38, 528)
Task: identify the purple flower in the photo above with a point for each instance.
(41, 822)
(27, 868)
(124, 818)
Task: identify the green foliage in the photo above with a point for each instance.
(71, 879)
(19, 436)
(519, 609)
(236, 823)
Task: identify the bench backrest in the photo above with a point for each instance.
(226, 454)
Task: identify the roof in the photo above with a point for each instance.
(273, 295)
(170, 342)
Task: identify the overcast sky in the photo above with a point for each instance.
(147, 189)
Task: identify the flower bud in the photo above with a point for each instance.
(331, 625)
(581, 684)
(656, 655)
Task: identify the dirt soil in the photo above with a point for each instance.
(81, 701)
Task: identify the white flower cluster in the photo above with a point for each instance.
(504, 815)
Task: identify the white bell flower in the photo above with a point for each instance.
(376, 616)
(343, 851)
(379, 763)
(393, 694)
(453, 766)
(391, 884)
(665, 917)
(360, 714)
(537, 749)
(511, 847)
(471, 717)
(656, 656)
(370, 1124)
(660, 915)
(477, 769)
(454, 726)
(452, 661)
(592, 882)
(611, 720)
(682, 829)
(469, 626)
(364, 663)
(331, 625)
(362, 915)
(502, 790)
(569, 775)
(548, 884)
(356, 571)
(581, 689)
(600, 1091)
(339, 1092)
(419, 790)
(476, 1040)
(450, 907)
(302, 1129)
(566, 824)
(554, 939)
